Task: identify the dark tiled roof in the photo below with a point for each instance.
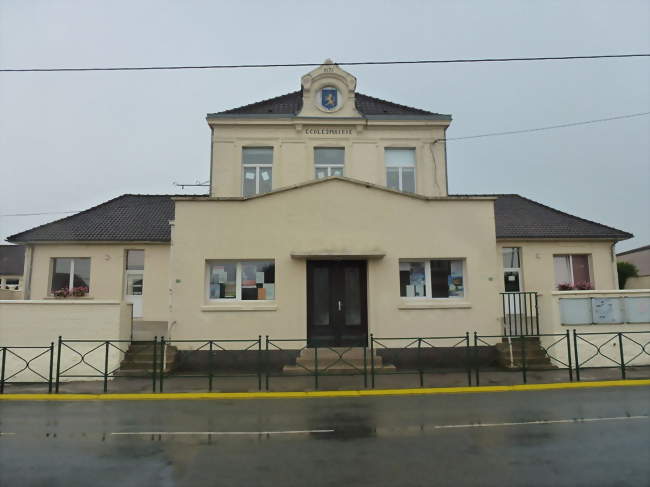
(519, 217)
(291, 103)
(130, 217)
(146, 218)
(12, 258)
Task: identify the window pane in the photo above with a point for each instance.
(408, 180)
(392, 178)
(257, 280)
(135, 259)
(580, 269)
(399, 157)
(321, 172)
(412, 279)
(266, 176)
(329, 155)
(336, 171)
(511, 281)
(321, 296)
(257, 155)
(440, 278)
(134, 284)
(456, 280)
(61, 274)
(81, 273)
(223, 280)
(562, 270)
(510, 257)
(249, 181)
(352, 299)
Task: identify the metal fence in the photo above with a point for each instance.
(24, 368)
(206, 365)
(520, 313)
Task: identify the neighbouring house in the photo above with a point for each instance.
(640, 257)
(327, 218)
(12, 259)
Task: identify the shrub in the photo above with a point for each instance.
(625, 271)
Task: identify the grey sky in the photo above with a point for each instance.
(69, 141)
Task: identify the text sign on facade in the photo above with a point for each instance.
(327, 131)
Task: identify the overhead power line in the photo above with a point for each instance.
(351, 63)
(39, 213)
(548, 127)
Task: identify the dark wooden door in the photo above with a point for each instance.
(337, 312)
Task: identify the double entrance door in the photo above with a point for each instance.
(337, 311)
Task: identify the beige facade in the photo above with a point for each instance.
(359, 222)
(107, 273)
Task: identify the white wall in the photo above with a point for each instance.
(37, 323)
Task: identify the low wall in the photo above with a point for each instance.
(10, 294)
(37, 323)
(641, 282)
(587, 312)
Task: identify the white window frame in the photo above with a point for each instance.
(401, 168)
(427, 277)
(71, 276)
(570, 256)
(238, 273)
(329, 167)
(257, 169)
(514, 269)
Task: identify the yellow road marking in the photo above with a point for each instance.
(316, 394)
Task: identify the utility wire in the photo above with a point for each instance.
(353, 63)
(548, 127)
(492, 134)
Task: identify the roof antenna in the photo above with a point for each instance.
(195, 183)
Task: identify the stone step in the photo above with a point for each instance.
(336, 362)
(334, 352)
(335, 369)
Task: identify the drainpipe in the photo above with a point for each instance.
(615, 265)
(27, 271)
(211, 155)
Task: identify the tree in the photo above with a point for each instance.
(625, 271)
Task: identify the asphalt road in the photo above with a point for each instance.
(582, 437)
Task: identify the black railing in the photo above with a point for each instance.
(612, 350)
(455, 360)
(91, 359)
(421, 356)
(210, 359)
(520, 313)
(25, 361)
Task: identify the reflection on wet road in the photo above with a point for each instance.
(564, 437)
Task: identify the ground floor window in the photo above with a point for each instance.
(572, 272)
(435, 278)
(10, 283)
(70, 273)
(241, 280)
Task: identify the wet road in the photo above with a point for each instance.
(582, 437)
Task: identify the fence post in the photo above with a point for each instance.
(2, 370)
(267, 363)
(154, 365)
(523, 357)
(365, 367)
(575, 354)
(419, 363)
(476, 361)
(106, 345)
(259, 362)
(536, 314)
(372, 361)
(620, 347)
(210, 365)
(468, 363)
(568, 354)
(162, 364)
(49, 380)
(58, 365)
(316, 366)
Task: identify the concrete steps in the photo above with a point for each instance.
(335, 360)
(138, 359)
(511, 353)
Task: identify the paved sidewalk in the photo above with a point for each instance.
(408, 379)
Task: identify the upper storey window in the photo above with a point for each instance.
(258, 170)
(400, 169)
(329, 161)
